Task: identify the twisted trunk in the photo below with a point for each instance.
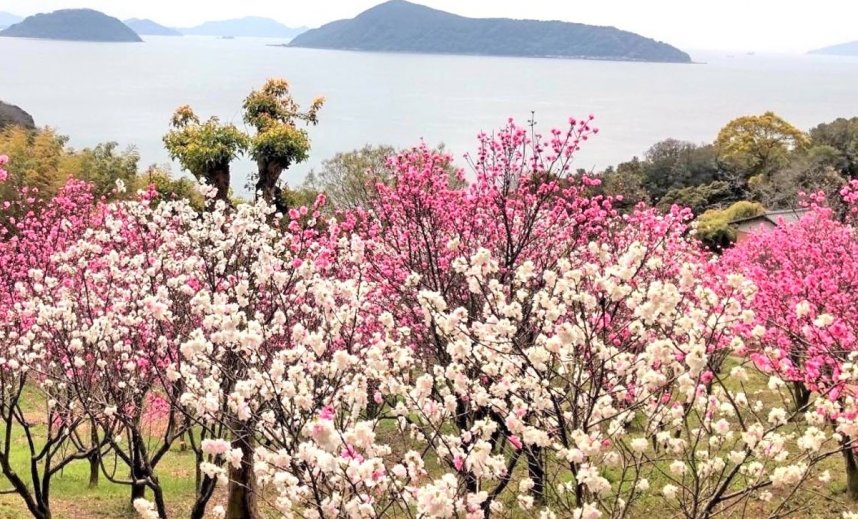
(266, 183)
(218, 177)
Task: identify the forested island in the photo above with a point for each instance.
(73, 25)
(400, 26)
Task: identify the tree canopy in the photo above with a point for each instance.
(205, 149)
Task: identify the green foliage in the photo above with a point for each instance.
(626, 181)
(672, 171)
(206, 149)
(759, 158)
(713, 226)
(698, 198)
(282, 144)
(673, 164)
(41, 159)
(759, 144)
(170, 188)
(840, 135)
(104, 165)
(303, 196)
(347, 179)
(37, 159)
(273, 104)
(278, 143)
(812, 172)
(202, 147)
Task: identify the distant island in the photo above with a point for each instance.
(248, 27)
(146, 27)
(7, 19)
(74, 25)
(400, 26)
(844, 49)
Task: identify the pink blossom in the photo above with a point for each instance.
(216, 447)
(327, 413)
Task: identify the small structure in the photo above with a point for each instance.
(765, 222)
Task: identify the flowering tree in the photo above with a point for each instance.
(114, 325)
(33, 231)
(513, 345)
(94, 314)
(524, 339)
(807, 279)
(481, 257)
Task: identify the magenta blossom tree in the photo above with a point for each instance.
(806, 278)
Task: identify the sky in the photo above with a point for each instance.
(783, 26)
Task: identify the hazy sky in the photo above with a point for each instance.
(745, 25)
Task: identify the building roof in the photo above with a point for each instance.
(773, 217)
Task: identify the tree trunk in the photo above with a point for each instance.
(536, 472)
(851, 473)
(138, 490)
(160, 504)
(94, 458)
(800, 395)
(198, 474)
(204, 493)
(241, 501)
(266, 184)
(94, 469)
(219, 179)
(373, 408)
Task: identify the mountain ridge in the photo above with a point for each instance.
(7, 19)
(841, 49)
(248, 26)
(402, 26)
(147, 27)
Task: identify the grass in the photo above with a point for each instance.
(71, 496)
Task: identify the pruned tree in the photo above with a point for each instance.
(278, 142)
(206, 149)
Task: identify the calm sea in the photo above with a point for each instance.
(97, 92)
